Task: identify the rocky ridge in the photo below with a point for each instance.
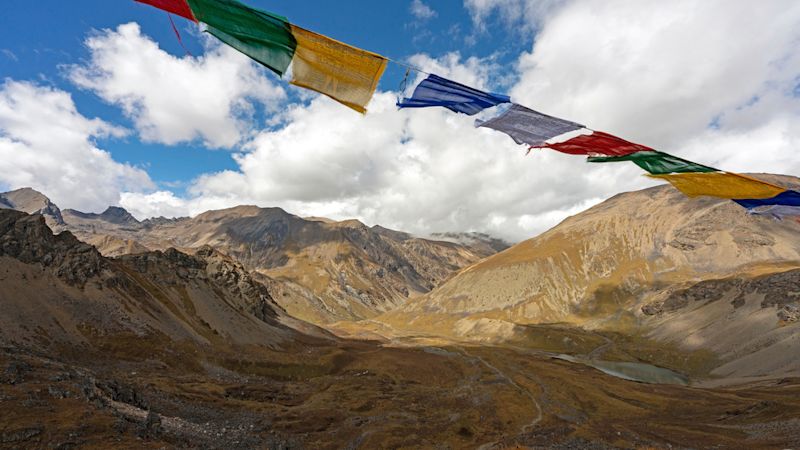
(60, 286)
(28, 239)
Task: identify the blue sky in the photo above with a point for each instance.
(39, 38)
(100, 105)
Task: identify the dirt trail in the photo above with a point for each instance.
(599, 351)
(510, 381)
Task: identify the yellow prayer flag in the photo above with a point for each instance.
(721, 184)
(346, 74)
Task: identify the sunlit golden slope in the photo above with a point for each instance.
(630, 243)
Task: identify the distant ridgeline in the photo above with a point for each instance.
(350, 76)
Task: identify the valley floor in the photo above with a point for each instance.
(414, 392)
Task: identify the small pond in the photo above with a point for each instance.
(644, 373)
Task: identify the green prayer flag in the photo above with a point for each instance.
(263, 36)
(657, 163)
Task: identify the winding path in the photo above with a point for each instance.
(510, 381)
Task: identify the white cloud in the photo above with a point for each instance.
(524, 15)
(173, 100)
(473, 71)
(155, 204)
(419, 171)
(659, 73)
(9, 54)
(45, 143)
(421, 11)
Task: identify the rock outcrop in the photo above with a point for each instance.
(29, 239)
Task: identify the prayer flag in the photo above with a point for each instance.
(777, 211)
(346, 74)
(787, 198)
(527, 126)
(263, 36)
(598, 143)
(177, 7)
(656, 162)
(438, 91)
(720, 184)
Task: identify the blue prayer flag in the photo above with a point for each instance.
(788, 198)
(438, 91)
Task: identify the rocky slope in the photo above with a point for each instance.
(56, 289)
(599, 268)
(750, 321)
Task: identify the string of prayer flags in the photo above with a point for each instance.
(265, 37)
(346, 74)
(656, 163)
(526, 126)
(438, 91)
(721, 184)
(598, 143)
(177, 7)
(350, 76)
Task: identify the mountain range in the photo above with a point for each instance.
(257, 328)
(326, 270)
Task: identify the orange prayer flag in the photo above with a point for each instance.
(344, 73)
(720, 184)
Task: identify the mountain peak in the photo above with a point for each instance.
(115, 214)
(243, 211)
(31, 201)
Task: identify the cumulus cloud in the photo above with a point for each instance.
(155, 204)
(173, 100)
(45, 143)
(524, 15)
(421, 11)
(663, 72)
(715, 82)
(420, 171)
(473, 71)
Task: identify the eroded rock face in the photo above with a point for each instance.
(232, 275)
(172, 267)
(789, 313)
(779, 290)
(28, 239)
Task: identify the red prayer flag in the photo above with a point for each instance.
(598, 143)
(178, 7)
